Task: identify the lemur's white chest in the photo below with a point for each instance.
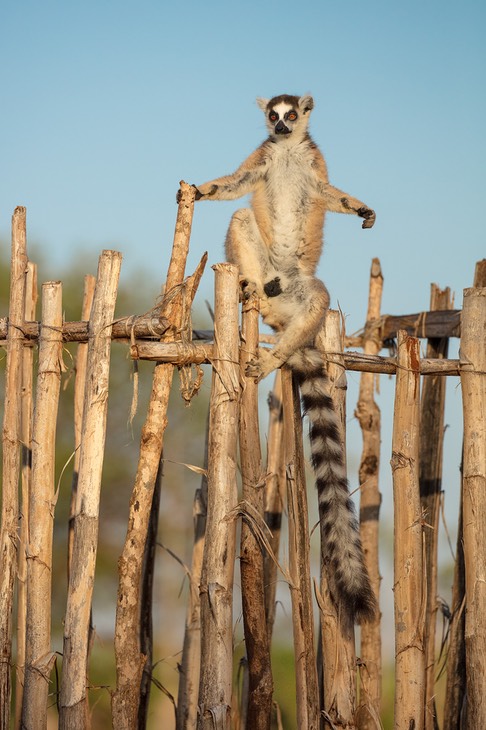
(288, 187)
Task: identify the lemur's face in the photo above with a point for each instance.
(287, 115)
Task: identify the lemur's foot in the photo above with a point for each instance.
(248, 288)
(263, 365)
(368, 215)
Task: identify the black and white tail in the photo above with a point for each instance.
(341, 543)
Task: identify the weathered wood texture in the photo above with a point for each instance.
(39, 657)
(307, 689)
(369, 417)
(129, 658)
(257, 645)
(26, 474)
(473, 382)
(430, 483)
(216, 588)
(337, 636)
(73, 699)
(11, 435)
(410, 599)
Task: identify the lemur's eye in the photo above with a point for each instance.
(292, 116)
(273, 116)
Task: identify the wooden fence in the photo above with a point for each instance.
(334, 689)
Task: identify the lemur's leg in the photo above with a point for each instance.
(245, 247)
(301, 311)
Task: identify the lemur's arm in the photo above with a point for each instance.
(336, 200)
(240, 183)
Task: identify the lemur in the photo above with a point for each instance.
(276, 245)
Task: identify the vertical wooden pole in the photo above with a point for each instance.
(129, 658)
(274, 495)
(257, 643)
(39, 658)
(299, 559)
(473, 382)
(27, 412)
(73, 699)
(410, 599)
(369, 417)
(337, 636)
(430, 482)
(216, 587)
(11, 456)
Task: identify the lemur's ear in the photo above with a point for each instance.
(306, 103)
(262, 103)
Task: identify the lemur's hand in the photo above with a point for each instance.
(368, 215)
(196, 197)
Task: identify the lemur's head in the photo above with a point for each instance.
(287, 116)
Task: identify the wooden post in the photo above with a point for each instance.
(274, 496)
(410, 599)
(73, 699)
(369, 417)
(26, 426)
(39, 658)
(186, 717)
(337, 636)
(216, 587)
(299, 559)
(129, 658)
(473, 382)
(11, 456)
(430, 482)
(260, 683)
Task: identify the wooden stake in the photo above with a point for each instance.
(73, 700)
(430, 482)
(299, 559)
(369, 417)
(216, 587)
(11, 457)
(129, 658)
(337, 636)
(26, 475)
(39, 657)
(473, 382)
(260, 683)
(409, 589)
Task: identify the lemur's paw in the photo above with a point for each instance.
(253, 370)
(263, 365)
(248, 288)
(368, 215)
(197, 196)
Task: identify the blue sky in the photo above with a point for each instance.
(107, 105)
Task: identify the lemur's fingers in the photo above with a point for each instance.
(253, 370)
(179, 194)
(368, 215)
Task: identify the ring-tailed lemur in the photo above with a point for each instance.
(276, 245)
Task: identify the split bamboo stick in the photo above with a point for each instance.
(337, 636)
(73, 698)
(299, 559)
(216, 587)
(26, 474)
(410, 599)
(257, 645)
(129, 659)
(39, 657)
(11, 436)
(369, 417)
(430, 482)
(473, 382)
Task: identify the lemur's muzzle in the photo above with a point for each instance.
(280, 128)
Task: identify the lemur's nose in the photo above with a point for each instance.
(280, 128)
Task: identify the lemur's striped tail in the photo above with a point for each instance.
(341, 543)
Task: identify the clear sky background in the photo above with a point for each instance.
(105, 106)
